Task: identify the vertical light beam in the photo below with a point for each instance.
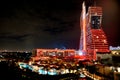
(84, 25)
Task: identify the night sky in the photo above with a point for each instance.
(30, 24)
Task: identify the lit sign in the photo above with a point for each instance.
(114, 48)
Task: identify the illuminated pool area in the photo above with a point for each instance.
(40, 70)
(24, 65)
(49, 72)
(45, 71)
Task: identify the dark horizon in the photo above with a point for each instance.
(26, 25)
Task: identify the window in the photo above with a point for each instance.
(95, 21)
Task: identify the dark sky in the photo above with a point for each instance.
(30, 24)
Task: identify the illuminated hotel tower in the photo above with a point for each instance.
(93, 39)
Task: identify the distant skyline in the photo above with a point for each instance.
(30, 24)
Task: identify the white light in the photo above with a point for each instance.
(97, 36)
(80, 52)
(118, 69)
(104, 41)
